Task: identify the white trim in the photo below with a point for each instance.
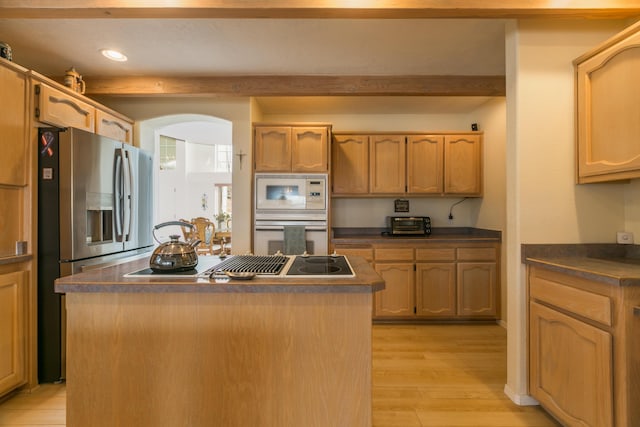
(520, 399)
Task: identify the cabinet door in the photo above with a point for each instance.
(425, 160)
(570, 368)
(13, 128)
(476, 289)
(350, 164)
(61, 109)
(12, 330)
(607, 113)
(309, 149)
(435, 289)
(113, 127)
(463, 164)
(387, 164)
(272, 149)
(397, 299)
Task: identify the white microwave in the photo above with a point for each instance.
(290, 193)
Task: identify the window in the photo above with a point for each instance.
(223, 158)
(167, 152)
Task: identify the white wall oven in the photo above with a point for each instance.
(290, 200)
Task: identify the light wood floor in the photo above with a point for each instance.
(423, 375)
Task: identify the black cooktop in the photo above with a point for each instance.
(319, 265)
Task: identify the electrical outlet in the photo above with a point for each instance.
(624, 237)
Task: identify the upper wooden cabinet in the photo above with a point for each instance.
(387, 163)
(350, 164)
(425, 163)
(607, 109)
(291, 148)
(463, 165)
(113, 127)
(13, 124)
(58, 106)
(61, 109)
(407, 164)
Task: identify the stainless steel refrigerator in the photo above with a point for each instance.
(94, 208)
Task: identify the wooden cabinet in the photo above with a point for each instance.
(113, 127)
(291, 148)
(425, 164)
(397, 298)
(463, 165)
(13, 330)
(476, 289)
(58, 108)
(607, 109)
(407, 164)
(13, 125)
(581, 349)
(436, 289)
(387, 164)
(350, 164)
(439, 281)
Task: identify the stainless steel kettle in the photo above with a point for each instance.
(174, 255)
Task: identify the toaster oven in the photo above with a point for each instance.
(409, 225)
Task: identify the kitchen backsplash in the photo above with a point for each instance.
(369, 212)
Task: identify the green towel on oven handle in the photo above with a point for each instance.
(295, 242)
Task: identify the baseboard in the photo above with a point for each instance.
(520, 399)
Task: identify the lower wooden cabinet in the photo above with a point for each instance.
(13, 334)
(570, 367)
(584, 338)
(453, 281)
(398, 296)
(476, 289)
(436, 289)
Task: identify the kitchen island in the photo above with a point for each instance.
(147, 351)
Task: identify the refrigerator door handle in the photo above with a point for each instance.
(128, 195)
(117, 191)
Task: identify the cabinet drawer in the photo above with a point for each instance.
(60, 109)
(393, 254)
(364, 252)
(435, 254)
(477, 254)
(583, 303)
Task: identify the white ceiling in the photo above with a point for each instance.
(190, 47)
(210, 47)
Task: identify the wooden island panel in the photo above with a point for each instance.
(232, 358)
(219, 359)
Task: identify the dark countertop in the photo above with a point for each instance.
(438, 235)
(612, 264)
(113, 279)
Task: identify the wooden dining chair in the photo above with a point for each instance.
(205, 230)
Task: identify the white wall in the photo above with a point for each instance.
(544, 204)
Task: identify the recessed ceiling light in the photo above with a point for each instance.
(114, 55)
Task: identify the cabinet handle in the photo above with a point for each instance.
(114, 123)
(69, 103)
(636, 311)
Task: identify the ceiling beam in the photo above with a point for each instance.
(330, 9)
(298, 86)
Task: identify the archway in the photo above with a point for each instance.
(192, 165)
